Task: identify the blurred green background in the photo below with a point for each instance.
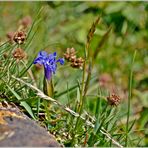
(66, 24)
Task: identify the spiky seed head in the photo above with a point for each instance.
(19, 54)
(113, 99)
(19, 37)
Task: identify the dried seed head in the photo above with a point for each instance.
(92, 30)
(106, 81)
(19, 37)
(66, 56)
(26, 21)
(74, 65)
(71, 57)
(80, 60)
(19, 54)
(10, 36)
(114, 99)
(70, 54)
(78, 63)
(71, 51)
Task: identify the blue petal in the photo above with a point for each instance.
(49, 61)
(48, 72)
(54, 68)
(43, 54)
(39, 61)
(61, 61)
(41, 58)
(54, 54)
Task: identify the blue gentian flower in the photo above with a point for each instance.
(49, 62)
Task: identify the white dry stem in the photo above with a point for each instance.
(43, 96)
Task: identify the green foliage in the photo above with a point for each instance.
(107, 45)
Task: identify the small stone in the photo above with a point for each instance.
(17, 130)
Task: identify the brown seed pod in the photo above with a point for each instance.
(19, 54)
(25, 21)
(78, 63)
(74, 65)
(70, 54)
(113, 99)
(71, 51)
(80, 60)
(10, 36)
(19, 37)
(71, 57)
(66, 56)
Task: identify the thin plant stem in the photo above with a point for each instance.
(39, 12)
(98, 109)
(129, 98)
(82, 97)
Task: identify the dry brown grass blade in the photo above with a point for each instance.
(91, 34)
(92, 30)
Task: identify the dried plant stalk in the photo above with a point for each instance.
(92, 30)
(101, 43)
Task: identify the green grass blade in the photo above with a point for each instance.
(65, 92)
(130, 128)
(24, 104)
(129, 99)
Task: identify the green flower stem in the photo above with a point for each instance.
(82, 96)
(48, 90)
(48, 87)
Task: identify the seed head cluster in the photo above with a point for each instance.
(71, 57)
(19, 54)
(10, 36)
(25, 22)
(19, 37)
(113, 99)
